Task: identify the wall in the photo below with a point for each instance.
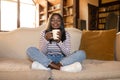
(84, 9)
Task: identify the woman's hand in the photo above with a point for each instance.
(59, 36)
(48, 36)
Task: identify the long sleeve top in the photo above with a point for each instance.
(55, 48)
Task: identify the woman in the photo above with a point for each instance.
(55, 53)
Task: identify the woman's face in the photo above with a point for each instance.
(55, 22)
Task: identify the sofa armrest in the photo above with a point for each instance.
(118, 46)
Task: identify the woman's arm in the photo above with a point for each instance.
(43, 43)
(65, 45)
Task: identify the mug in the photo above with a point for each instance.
(54, 32)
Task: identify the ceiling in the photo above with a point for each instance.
(43, 2)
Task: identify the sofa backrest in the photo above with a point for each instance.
(14, 44)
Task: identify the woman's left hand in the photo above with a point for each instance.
(59, 36)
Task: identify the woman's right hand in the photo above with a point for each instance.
(48, 36)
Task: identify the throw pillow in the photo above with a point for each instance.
(99, 44)
(75, 35)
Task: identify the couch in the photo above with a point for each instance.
(15, 64)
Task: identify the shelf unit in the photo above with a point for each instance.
(104, 11)
(42, 15)
(65, 7)
(51, 8)
(68, 12)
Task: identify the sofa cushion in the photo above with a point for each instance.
(14, 64)
(92, 70)
(25, 75)
(75, 35)
(19, 69)
(13, 44)
(99, 44)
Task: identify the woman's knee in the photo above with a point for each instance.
(81, 53)
(30, 50)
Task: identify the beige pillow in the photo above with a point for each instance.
(99, 44)
(75, 38)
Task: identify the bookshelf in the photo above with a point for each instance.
(65, 7)
(42, 15)
(105, 10)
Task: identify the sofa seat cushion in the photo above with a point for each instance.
(14, 64)
(20, 69)
(25, 75)
(92, 70)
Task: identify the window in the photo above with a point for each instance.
(14, 16)
(27, 13)
(8, 15)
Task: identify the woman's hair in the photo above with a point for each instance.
(62, 28)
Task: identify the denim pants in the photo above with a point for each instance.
(36, 55)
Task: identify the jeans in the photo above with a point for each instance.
(36, 55)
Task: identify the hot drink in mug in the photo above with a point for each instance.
(54, 32)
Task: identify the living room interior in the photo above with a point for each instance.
(81, 14)
(94, 26)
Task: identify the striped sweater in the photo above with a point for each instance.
(55, 48)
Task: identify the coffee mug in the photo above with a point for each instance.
(54, 32)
